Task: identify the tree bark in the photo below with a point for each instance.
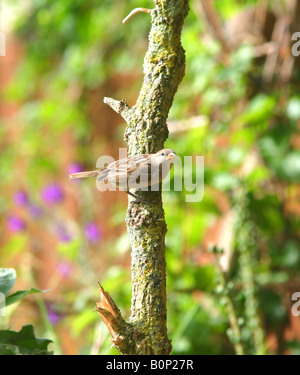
(146, 132)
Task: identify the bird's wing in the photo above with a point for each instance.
(123, 171)
(128, 164)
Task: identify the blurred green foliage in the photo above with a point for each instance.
(74, 48)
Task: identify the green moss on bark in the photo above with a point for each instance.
(147, 131)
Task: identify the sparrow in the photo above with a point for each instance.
(134, 172)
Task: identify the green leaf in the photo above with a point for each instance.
(15, 297)
(235, 156)
(290, 166)
(293, 108)
(224, 181)
(259, 109)
(205, 277)
(7, 279)
(70, 250)
(23, 342)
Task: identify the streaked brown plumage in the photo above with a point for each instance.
(134, 172)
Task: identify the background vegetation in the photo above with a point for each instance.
(238, 106)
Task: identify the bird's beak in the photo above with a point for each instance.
(171, 155)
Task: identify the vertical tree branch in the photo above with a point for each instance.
(146, 132)
(164, 69)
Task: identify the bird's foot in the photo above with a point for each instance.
(137, 199)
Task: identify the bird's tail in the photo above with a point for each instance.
(74, 176)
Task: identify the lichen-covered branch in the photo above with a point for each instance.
(119, 106)
(164, 68)
(146, 132)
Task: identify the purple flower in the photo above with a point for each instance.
(16, 224)
(35, 211)
(21, 198)
(92, 232)
(53, 316)
(75, 167)
(52, 194)
(63, 234)
(64, 269)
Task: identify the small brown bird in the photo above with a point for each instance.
(134, 172)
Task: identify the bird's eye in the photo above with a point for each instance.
(162, 154)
